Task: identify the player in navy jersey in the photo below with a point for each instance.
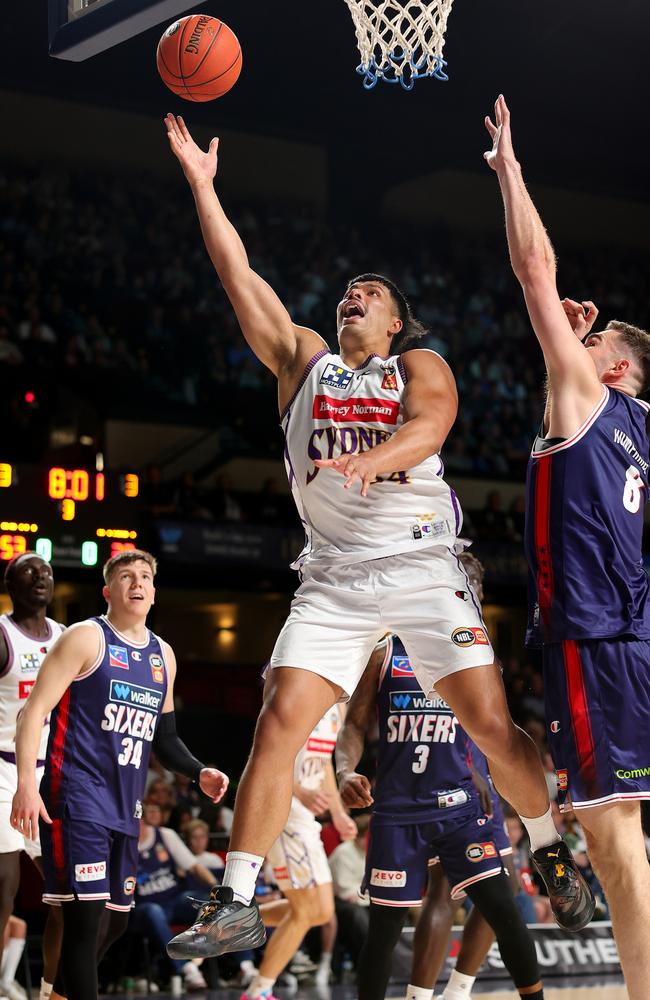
(109, 685)
(426, 809)
(363, 429)
(587, 487)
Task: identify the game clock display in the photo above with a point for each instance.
(71, 517)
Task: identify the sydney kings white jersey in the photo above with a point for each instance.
(26, 653)
(336, 411)
(313, 760)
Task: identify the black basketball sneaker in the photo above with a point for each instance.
(572, 901)
(221, 925)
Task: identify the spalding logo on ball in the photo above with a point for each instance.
(199, 58)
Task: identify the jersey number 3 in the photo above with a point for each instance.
(422, 754)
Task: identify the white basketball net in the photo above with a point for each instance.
(400, 40)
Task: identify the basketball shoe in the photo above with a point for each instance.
(222, 925)
(572, 901)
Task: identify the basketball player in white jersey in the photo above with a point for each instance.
(363, 432)
(298, 859)
(26, 635)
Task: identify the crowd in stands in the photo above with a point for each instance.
(105, 284)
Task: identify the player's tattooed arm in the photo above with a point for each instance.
(533, 261)
(355, 787)
(272, 336)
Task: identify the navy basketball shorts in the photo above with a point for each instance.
(86, 861)
(399, 856)
(597, 700)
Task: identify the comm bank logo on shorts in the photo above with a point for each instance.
(133, 694)
(379, 876)
(476, 852)
(92, 872)
(469, 636)
(129, 885)
(633, 772)
(401, 667)
(335, 377)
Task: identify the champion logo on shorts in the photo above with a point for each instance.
(555, 726)
(91, 872)
(469, 636)
(379, 876)
(476, 852)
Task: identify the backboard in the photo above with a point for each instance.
(79, 29)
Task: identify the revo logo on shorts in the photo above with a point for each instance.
(379, 876)
(133, 694)
(92, 872)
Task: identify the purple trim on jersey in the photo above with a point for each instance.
(369, 359)
(469, 588)
(454, 502)
(10, 652)
(401, 367)
(11, 758)
(308, 367)
(28, 635)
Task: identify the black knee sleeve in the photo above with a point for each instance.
(113, 927)
(373, 971)
(78, 965)
(495, 902)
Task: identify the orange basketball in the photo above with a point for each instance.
(199, 57)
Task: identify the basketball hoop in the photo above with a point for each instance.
(400, 41)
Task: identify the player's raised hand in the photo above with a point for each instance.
(499, 129)
(26, 808)
(354, 790)
(213, 783)
(198, 167)
(581, 316)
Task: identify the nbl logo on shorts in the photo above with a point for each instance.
(336, 377)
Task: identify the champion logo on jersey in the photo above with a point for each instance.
(336, 377)
(30, 661)
(157, 668)
(555, 726)
(118, 657)
(136, 654)
(401, 667)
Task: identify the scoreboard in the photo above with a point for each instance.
(71, 517)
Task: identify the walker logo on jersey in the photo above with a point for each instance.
(30, 661)
(414, 701)
(92, 872)
(390, 379)
(401, 667)
(337, 378)
(476, 852)
(129, 885)
(133, 694)
(118, 657)
(24, 688)
(562, 779)
(157, 668)
(555, 726)
(469, 636)
(355, 409)
(379, 876)
(136, 655)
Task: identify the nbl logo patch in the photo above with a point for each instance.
(157, 668)
(476, 852)
(401, 667)
(118, 657)
(336, 377)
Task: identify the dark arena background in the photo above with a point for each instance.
(133, 413)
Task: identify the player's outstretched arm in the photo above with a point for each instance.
(72, 654)
(355, 787)
(265, 323)
(533, 261)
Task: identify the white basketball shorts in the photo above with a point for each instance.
(10, 839)
(298, 857)
(340, 613)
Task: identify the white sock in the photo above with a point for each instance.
(259, 987)
(247, 966)
(541, 830)
(11, 956)
(46, 990)
(418, 993)
(459, 986)
(325, 961)
(241, 874)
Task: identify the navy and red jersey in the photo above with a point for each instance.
(101, 733)
(422, 767)
(584, 526)
(157, 880)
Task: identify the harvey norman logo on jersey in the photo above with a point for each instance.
(133, 694)
(381, 411)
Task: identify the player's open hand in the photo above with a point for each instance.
(315, 799)
(198, 167)
(581, 316)
(502, 151)
(344, 826)
(213, 783)
(354, 790)
(355, 468)
(26, 808)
